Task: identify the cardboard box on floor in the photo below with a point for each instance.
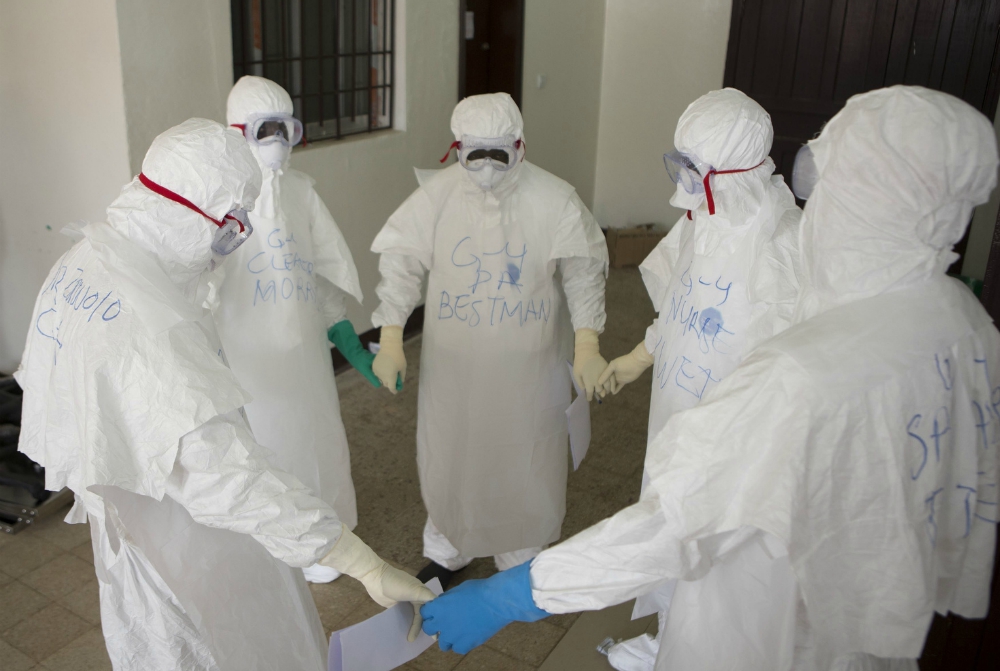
(629, 246)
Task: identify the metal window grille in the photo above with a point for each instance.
(334, 57)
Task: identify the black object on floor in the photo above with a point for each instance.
(435, 570)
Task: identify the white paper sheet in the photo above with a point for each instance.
(379, 643)
(578, 419)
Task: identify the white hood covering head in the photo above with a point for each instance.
(900, 170)
(727, 130)
(208, 165)
(490, 115)
(253, 96)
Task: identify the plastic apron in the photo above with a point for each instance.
(494, 386)
(213, 599)
(698, 337)
(275, 341)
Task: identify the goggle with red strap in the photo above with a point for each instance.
(696, 178)
(233, 229)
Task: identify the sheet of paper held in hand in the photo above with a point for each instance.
(578, 419)
(379, 643)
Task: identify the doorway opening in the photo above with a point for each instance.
(491, 47)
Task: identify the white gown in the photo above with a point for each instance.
(283, 288)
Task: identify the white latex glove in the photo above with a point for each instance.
(625, 369)
(390, 360)
(588, 364)
(385, 584)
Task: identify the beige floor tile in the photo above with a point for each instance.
(85, 602)
(4, 578)
(25, 554)
(57, 532)
(60, 576)
(18, 602)
(487, 659)
(12, 659)
(46, 632)
(335, 601)
(435, 659)
(564, 620)
(87, 653)
(527, 641)
(84, 551)
(366, 609)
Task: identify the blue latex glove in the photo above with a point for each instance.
(469, 615)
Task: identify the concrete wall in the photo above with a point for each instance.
(564, 43)
(62, 142)
(659, 55)
(176, 63)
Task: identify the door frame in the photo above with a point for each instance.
(518, 65)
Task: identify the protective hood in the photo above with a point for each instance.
(205, 163)
(900, 170)
(490, 115)
(252, 96)
(727, 130)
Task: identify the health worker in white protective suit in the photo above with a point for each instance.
(283, 300)
(723, 279)
(128, 402)
(840, 486)
(516, 264)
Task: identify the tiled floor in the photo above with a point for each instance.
(49, 614)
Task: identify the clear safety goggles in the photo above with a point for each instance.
(233, 229)
(267, 129)
(804, 173)
(686, 172)
(475, 153)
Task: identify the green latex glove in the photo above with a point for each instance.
(342, 335)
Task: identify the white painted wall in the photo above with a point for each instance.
(659, 55)
(977, 253)
(62, 142)
(564, 42)
(176, 63)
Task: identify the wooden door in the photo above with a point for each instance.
(801, 60)
(491, 47)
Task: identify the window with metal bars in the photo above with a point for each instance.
(334, 57)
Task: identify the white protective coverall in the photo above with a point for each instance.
(840, 486)
(129, 403)
(721, 282)
(505, 264)
(284, 287)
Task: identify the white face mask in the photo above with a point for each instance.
(487, 178)
(687, 201)
(274, 155)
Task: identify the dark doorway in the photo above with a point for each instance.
(491, 47)
(801, 60)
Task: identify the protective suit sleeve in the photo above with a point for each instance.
(331, 301)
(617, 559)
(577, 234)
(222, 478)
(399, 290)
(583, 280)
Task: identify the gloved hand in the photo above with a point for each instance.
(385, 584)
(625, 369)
(347, 342)
(588, 364)
(469, 615)
(390, 363)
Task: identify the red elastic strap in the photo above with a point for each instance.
(454, 145)
(689, 215)
(518, 145)
(708, 185)
(180, 200)
(241, 126)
